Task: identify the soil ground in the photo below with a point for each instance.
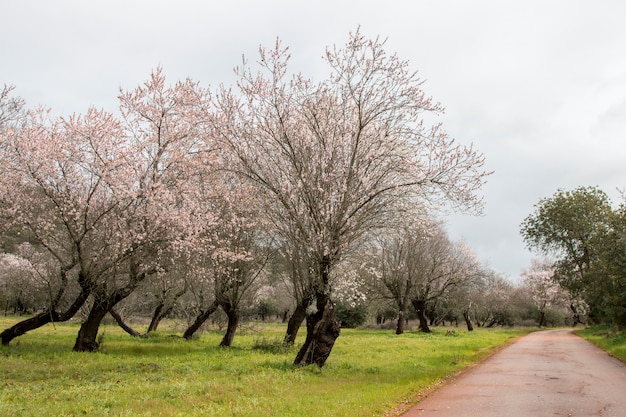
(546, 373)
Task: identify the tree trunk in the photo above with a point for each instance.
(420, 308)
(233, 315)
(41, 319)
(87, 341)
(24, 326)
(322, 330)
(542, 318)
(322, 327)
(295, 322)
(575, 317)
(156, 317)
(401, 322)
(123, 325)
(466, 316)
(164, 309)
(200, 319)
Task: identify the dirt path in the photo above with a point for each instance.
(547, 373)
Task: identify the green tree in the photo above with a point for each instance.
(610, 271)
(573, 226)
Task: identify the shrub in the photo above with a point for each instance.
(351, 317)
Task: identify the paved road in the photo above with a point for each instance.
(547, 373)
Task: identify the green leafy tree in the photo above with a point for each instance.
(573, 226)
(610, 271)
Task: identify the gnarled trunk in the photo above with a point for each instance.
(322, 327)
(322, 330)
(420, 308)
(87, 341)
(575, 316)
(163, 310)
(41, 319)
(468, 322)
(295, 322)
(160, 312)
(542, 318)
(401, 322)
(127, 328)
(200, 319)
(156, 317)
(24, 326)
(233, 314)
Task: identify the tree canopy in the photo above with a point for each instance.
(190, 180)
(585, 235)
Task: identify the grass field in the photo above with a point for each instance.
(369, 373)
(611, 341)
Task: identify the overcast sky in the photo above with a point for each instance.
(538, 86)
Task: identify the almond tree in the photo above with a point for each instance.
(493, 304)
(110, 199)
(163, 133)
(392, 272)
(460, 270)
(236, 277)
(201, 302)
(544, 290)
(27, 279)
(166, 291)
(54, 191)
(334, 158)
(232, 254)
(12, 111)
(296, 270)
(161, 295)
(419, 266)
(239, 255)
(231, 271)
(13, 115)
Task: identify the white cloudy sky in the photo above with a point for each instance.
(539, 86)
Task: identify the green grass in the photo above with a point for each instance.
(369, 373)
(610, 341)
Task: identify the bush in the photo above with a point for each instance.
(266, 309)
(351, 317)
(277, 346)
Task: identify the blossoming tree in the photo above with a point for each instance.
(110, 198)
(334, 158)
